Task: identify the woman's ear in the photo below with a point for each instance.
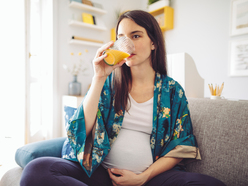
(153, 47)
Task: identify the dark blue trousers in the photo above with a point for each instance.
(50, 171)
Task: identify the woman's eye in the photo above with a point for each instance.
(136, 36)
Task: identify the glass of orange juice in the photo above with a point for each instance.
(121, 49)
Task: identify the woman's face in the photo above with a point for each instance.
(143, 44)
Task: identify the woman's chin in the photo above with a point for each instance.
(129, 63)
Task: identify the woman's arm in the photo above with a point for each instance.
(161, 165)
(101, 72)
(129, 178)
(90, 103)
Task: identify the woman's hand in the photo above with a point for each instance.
(121, 177)
(101, 69)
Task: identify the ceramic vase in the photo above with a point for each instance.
(74, 87)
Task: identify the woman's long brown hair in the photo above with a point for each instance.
(122, 78)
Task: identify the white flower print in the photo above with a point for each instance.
(111, 141)
(98, 158)
(180, 93)
(80, 156)
(152, 143)
(172, 82)
(100, 138)
(72, 154)
(116, 128)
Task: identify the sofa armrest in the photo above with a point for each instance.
(34, 150)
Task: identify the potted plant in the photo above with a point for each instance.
(156, 4)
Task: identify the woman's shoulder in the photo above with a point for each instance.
(172, 87)
(170, 83)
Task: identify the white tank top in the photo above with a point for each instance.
(131, 150)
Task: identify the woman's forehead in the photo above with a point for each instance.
(128, 26)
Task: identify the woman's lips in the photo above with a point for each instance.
(130, 56)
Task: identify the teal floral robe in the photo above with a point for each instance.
(171, 125)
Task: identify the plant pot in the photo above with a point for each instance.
(158, 4)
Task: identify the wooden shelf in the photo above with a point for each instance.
(82, 24)
(168, 14)
(87, 43)
(82, 6)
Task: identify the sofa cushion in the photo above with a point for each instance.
(220, 127)
(34, 150)
(12, 177)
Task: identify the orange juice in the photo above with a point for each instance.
(114, 56)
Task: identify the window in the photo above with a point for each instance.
(39, 70)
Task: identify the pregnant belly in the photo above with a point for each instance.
(130, 151)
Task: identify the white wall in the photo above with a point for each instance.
(201, 29)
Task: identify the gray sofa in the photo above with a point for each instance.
(221, 129)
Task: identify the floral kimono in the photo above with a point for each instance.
(172, 133)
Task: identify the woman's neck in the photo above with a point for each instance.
(142, 85)
(142, 76)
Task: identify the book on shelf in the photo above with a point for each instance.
(88, 18)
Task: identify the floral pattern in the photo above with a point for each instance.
(171, 125)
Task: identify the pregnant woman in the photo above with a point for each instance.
(133, 127)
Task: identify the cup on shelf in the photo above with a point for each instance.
(215, 97)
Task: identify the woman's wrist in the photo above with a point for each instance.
(144, 177)
(99, 79)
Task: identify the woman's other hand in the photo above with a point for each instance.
(122, 177)
(101, 69)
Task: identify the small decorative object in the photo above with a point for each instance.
(97, 5)
(239, 19)
(78, 1)
(215, 91)
(238, 60)
(87, 2)
(74, 87)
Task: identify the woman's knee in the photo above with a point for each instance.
(37, 172)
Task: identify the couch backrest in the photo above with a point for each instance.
(221, 130)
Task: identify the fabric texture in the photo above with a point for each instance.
(12, 177)
(220, 127)
(67, 151)
(171, 124)
(35, 150)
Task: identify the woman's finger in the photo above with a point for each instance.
(103, 48)
(99, 59)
